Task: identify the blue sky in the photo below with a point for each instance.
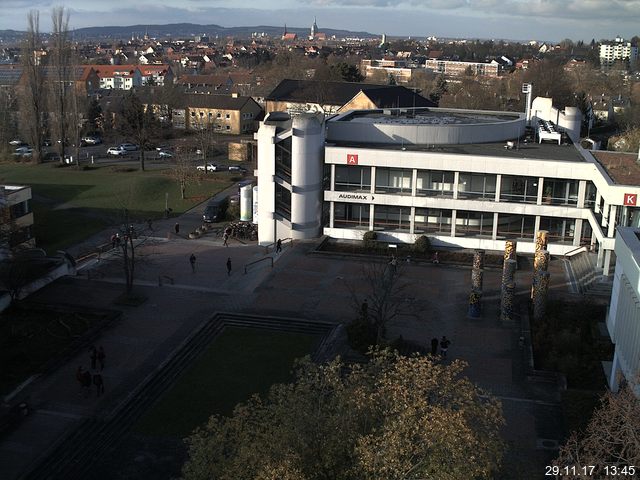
(511, 19)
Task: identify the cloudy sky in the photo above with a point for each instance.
(510, 19)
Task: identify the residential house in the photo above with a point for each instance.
(298, 96)
(156, 74)
(118, 77)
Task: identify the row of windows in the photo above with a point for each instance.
(210, 114)
(439, 221)
(441, 183)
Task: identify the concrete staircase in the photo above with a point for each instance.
(73, 456)
(584, 276)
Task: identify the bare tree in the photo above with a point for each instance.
(183, 173)
(383, 298)
(139, 123)
(60, 78)
(32, 93)
(205, 137)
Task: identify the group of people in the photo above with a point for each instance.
(443, 343)
(86, 378)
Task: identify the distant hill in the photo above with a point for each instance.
(187, 30)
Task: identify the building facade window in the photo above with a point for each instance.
(519, 189)
(516, 226)
(391, 218)
(351, 215)
(560, 192)
(283, 202)
(283, 159)
(477, 186)
(560, 230)
(432, 221)
(393, 180)
(474, 224)
(435, 183)
(353, 178)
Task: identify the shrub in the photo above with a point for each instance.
(422, 245)
(361, 334)
(369, 239)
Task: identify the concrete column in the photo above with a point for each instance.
(612, 221)
(605, 214)
(454, 215)
(582, 193)
(540, 289)
(494, 233)
(331, 213)
(600, 257)
(506, 304)
(577, 232)
(498, 189)
(536, 224)
(606, 268)
(540, 190)
(333, 177)
(371, 214)
(414, 182)
(412, 220)
(596, 207)
(373, 179)
(456, 179)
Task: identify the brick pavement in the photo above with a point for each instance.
(299, 284)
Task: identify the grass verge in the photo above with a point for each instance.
(239, 363)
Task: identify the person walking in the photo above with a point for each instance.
(444, 346)
(434, 346)
(98, 382)
(93, 354)
(113, 241)
(176, 228)
(192, 261)
(229, 266)
(86, 383)
(101, 357)
(278, 246)
(225, 239)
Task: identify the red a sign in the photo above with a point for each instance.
(352, 159)
(630, 199)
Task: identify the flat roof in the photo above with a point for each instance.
(623, 168)
(427, 116)
(529, 151)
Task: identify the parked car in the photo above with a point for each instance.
(16, 142)
(165, 154)
(237, 168)
(214, 211)
(129, 147)
(91, 140)
(210, 167)
(116, 151)
(23, 152)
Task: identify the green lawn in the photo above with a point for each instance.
(237, 364)
(70, 205)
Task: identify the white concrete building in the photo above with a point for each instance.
(464, 178)
(623, 320)
(618, 50)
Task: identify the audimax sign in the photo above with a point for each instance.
(362, 197)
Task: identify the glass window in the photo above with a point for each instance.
(434, 183)
(393, 180)
(590, 196)
(392, 218)
(477, 185)
(515, 226)
(351, 215)
(353, 178)
(283, 202)
(560, 229)
(474, 224)
(560, 192)
(283, 159)
(519, 189)
(432, 221)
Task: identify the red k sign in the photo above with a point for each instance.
(630, 199)
(352, 159)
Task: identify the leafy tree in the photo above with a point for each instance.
(612, 437)
(392, 418)
(441, 89)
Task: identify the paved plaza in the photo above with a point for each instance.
(301, 283)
